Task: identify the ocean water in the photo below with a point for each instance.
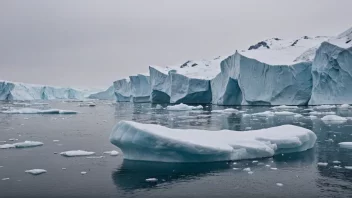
(111, 176)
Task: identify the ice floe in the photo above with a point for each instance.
(346, 145)
(76, 153)
(25, 144)
(36, 171)
(38, 111)
(183, 107)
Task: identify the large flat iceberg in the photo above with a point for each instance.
(23, 91)
(148, 142)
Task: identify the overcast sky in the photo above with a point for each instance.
(91, 43)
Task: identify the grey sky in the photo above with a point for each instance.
(91, 43)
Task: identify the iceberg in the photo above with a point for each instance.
(187, 83)
(149, 142)
(23, 91)
(108, 94)
(140, 88)
(225, 87)
(122, 89)
(332, 71)
(38, 111)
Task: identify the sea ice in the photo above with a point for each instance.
(322, 163)
(112, 153)
(76, 153)
(39, 111)
(183, 107)
(151, 180)
(25, 144)
(149, 142)
(279, 184)
(36, 171)
(346, 145)
(348, 167)
(333, 119)
(285, 107)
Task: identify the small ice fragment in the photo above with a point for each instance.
(234, 163)
(36, 171)
(56, 140)
(273, 168)
(329, 140)
(13, 139)
(25, 144)
(95, 157)
(344, 106)
(235, 168)
(112, 153)
(247, 169)
(333, 119)
(322, 163)
(348, 167)
(346, 145)
(336, 162)
(255, 161)
(1, 166)
(267, 165)
(151, 180)
(76, 153)
(248, 128)
(63, 168)
(337, 167)
(250, 172)
(3, 179)
(83, 173)
(279, 184)
(183, 107)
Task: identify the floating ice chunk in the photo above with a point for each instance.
(159, 107)
(39, 111)
(284, 113)
(325, 107)
(87, 104)
(344, 106)
(284, 107)
(279, 184)
(346, 145)
(315, 113)
(63, 168)
(267, 165)
(247, 169)
(255, 161)
(56, 140)
(95, 157)
(149, 142)
(2, 141)
(76, 153)
(13, 139)
(337, 167)
(250, 172)
(329, 140)
(264, 114)
(112, 153)
(36, 171)
(151, 180)
(25, 144)
(235, 168)
(83, 173)
(336, 162)
(4, 179)
(273, 168)
(333, 119)
(297, 115)
(348, 167)
(313, 117)
(183, 107)
(322, 163)
(248, 128)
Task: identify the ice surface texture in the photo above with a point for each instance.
(150, 142)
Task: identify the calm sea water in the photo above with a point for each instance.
(113, 177)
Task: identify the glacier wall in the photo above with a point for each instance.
(332, 75)
(140, 88)
(225, 87)
(108, 94)
(122, 90)
(21, 91)
(264, 84)
(178, 88)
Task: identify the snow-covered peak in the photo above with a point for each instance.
(202, 69)
(276, 51)
(343, 40)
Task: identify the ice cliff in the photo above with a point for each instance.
(108, 94)
(332, 71)
(122, 89)
(22, 91)
(134, 89)
(187, 83)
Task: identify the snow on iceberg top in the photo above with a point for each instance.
(277, 51)
(343, 40)
(203, 69)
